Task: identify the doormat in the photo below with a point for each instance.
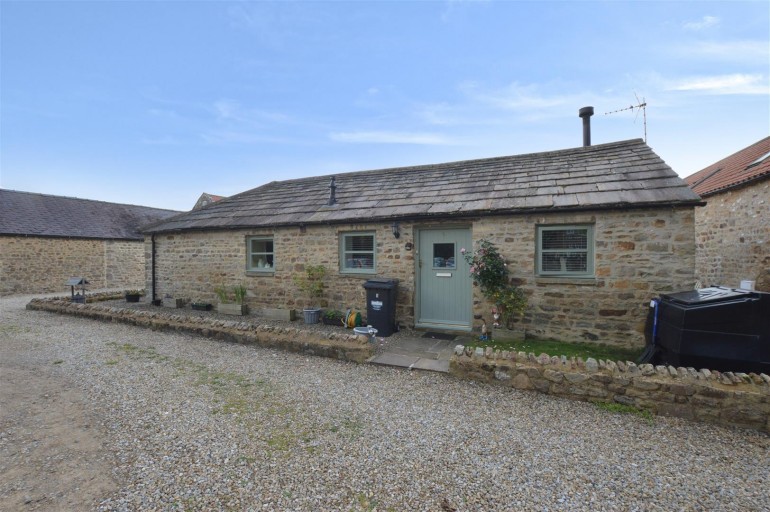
(439, 336)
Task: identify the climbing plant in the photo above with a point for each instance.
(489, 271)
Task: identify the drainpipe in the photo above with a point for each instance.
(585, 113)
(152, 258)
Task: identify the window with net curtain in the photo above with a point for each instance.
(357, 254)
(260, 254)
(565, 251)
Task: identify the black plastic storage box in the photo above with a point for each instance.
(381, 305)
(717, 328)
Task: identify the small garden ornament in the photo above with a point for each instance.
(484, 333)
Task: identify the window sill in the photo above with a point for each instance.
(579, 281)
(260, 273)
(359, 275)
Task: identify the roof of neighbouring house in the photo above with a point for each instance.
(32, 214)
(620, 174)
(747, 165)
(206, 199)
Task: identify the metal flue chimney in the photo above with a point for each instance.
(585, 113)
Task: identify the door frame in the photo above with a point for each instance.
(418, 230)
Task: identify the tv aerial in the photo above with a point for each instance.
(640, 105)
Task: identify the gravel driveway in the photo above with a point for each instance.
(113, 417)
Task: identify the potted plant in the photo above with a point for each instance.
(332, 317)
(231, 302)
(134, 295)
(312, 283)
(200, 305)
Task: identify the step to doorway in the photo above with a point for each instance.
(411, 362)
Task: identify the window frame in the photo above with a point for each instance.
(249, 253)
(343, 252)
(589, 250)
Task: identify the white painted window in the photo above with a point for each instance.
(357, 253)
(565, 251)
(260, 254)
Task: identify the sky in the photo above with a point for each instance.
(153, 103)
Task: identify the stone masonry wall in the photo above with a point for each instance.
(730, 399)
(192, 265)
(639, 254)
(43, 265)
(342, 346)
(124, 264)
(733, 237)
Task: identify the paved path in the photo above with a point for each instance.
(420, 353)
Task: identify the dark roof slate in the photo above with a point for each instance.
(32, 214)
(733, 171)
(619, 174)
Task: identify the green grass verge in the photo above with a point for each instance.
(625, 409)
(561, 348)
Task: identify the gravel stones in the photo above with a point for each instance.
(198, 424)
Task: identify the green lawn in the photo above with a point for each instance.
(560, 348)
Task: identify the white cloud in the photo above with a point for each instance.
(386, 137)
(724, 84)
(165, 140)
(229, 110)
(744, 51)
(236, 137)
(514, 96)
(702, 24)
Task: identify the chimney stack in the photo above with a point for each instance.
(585, 113)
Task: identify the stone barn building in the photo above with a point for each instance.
(45, 240)
(733, 230)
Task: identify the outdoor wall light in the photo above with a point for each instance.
(394, 228)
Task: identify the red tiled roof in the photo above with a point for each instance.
(746, 165)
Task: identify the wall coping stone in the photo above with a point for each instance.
(343, 346)
(725, 398)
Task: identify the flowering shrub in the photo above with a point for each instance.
(490, 272)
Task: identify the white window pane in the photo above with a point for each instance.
(358, 253)
(565, 239)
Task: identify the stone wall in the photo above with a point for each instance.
(730, 399)
(638, 254)
(43, 265)
(733, 237)
(191, 265)
(343, 346)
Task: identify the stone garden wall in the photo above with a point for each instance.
(733, 237)
(344, 346)
(730, 399)
(43, 265)
(638, 254)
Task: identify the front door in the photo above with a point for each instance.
(445, 286)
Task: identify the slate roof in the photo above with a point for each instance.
(27, 213)
(733, 171)
(620, 174)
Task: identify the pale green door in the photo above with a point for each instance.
(445, 285)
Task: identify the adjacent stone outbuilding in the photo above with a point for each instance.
(590, 234)
(733, 230)
(45, 240)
